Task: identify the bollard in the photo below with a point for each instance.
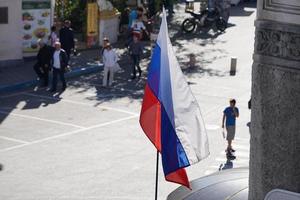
(192, 61)
(233, 64)
(189, 5)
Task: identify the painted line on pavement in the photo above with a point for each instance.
(13, 139)
(79, 103)
(242, 139)
(40, 119)
(237, 161)
(69, 133)
(208, 172)
(212, 127)
(242, 147)
(115, 87)
(11, 95)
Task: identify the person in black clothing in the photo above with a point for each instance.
(151, 8)
(66, 38)
(59, 64)
(43, 62)
(136, 51)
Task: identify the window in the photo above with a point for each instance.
(3, 15)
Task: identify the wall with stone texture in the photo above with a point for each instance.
(275, 118)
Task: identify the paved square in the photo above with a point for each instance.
(86, 143)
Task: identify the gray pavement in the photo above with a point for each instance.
(86, 143)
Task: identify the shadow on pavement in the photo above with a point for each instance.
(25, 101)
(240, 9)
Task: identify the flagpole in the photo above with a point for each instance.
(156, 181)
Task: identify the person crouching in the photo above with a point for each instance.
(110, 59)
(43, 61)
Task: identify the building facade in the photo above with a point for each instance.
(10, 31)
(22, 23)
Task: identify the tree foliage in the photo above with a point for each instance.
(73, 10)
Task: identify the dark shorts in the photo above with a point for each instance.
(230, 132)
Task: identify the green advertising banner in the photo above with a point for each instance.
(36, 5)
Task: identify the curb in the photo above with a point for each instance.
(74, 73)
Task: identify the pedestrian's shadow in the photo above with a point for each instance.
(227, 165)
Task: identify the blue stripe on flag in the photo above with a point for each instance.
(173, 154)
(154, 71)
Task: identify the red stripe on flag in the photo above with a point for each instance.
(150, 118)
(180, 177)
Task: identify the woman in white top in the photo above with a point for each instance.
(110, 59)
(53, 36)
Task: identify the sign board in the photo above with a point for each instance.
(92, 19)
(36, 18)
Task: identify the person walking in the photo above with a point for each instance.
(66, 37)
(42, 65)
(59, 64)
(132, 16)
(110, 59)
(223, 7)
(230, 114)
(138, 26)
(53, 36)
(170, 6)
(135, 51)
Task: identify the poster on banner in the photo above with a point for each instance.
(92, 24)
(36, 19)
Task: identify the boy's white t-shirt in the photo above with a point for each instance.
(138, 26)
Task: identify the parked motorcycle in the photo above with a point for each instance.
(206, 19)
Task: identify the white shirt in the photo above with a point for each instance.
(56, 59)
(138, 26)
(110, 58)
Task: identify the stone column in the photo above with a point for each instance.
(275, 118)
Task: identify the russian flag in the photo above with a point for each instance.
(170, 115)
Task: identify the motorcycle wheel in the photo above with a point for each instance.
(188, 25)
(221, 24)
